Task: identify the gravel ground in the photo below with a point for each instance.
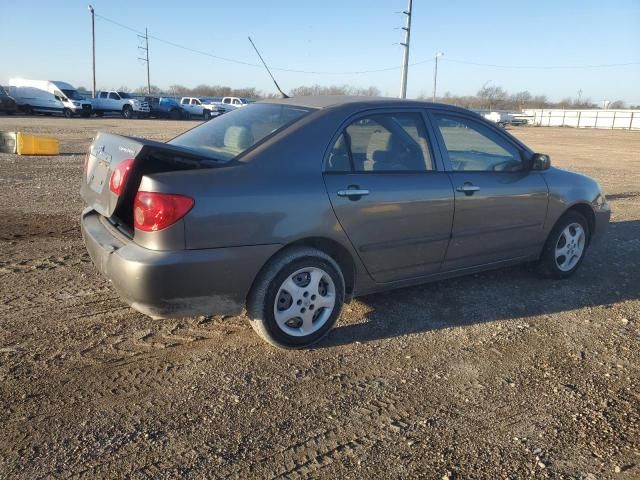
(497, 375)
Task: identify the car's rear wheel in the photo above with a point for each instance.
(297, 298)
(566, 246)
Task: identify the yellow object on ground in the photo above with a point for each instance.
(35, 145)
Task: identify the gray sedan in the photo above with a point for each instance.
(288, 208)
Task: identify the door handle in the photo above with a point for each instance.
(468, 189)
(353, 192)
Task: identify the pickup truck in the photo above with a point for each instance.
(165, 107)
(121, 102)
(195, 108)
(236, 102)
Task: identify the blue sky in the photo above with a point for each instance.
(51, 40)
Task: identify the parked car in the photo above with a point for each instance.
(228, 104)
(165, 107)
(290, 207)
(8, 104)
(119, 102)
(195, 108)
(48, 97)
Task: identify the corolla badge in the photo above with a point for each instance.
(126, 150)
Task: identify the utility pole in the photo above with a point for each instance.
(405, 55)
(146, 57)
(93, 49)
(435, 74)
(579, 96)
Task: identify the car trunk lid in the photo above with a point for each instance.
(142, 157)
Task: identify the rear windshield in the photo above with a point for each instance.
(228, 135)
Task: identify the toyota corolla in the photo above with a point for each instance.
(288, 208)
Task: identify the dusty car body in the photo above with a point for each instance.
(361, 194)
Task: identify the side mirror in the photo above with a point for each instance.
(540, 161)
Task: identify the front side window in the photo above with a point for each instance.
(228, 135)
(114, 96)
(473, 147)
(383, 143)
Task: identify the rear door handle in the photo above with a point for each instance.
(468, 189)
(353, 192)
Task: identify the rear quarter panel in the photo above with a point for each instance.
(275, 194)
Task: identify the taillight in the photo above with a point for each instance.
(119, 176)
(154, 211)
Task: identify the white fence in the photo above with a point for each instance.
(621, 119)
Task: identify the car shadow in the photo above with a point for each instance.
(609, 274)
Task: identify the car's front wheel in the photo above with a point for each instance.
(297, 298)
(566, 246)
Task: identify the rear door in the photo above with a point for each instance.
(500, 204)
(391, 197)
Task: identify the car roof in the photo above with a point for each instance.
(332, 101)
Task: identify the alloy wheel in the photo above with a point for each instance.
(570, 247)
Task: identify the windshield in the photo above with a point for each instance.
(73, 94)
(227, 136)
(125, 95)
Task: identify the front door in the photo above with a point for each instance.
(500, 204)
(393, 203)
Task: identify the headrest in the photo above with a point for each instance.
(238, 138)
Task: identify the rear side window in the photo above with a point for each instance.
(393, 142)
(103, 94)
(228, 135)
(473, 147)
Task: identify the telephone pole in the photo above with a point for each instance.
(146, 56)
(405, 55)
(435, 74)
(93, 49)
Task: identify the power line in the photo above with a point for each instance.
(542, 67)
(361, 72)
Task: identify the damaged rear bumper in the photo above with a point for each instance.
(173, 283)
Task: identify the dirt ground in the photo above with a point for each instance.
(497, 375)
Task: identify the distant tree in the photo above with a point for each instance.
(492, 96)
(155, 90)
(313, 90)
(521, 99)
(177, 90)
(565, 103)
(618, 104)
(83, 90)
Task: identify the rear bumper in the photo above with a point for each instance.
(173, 283)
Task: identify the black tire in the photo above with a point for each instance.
(28, 109)
(547, 265)
(175, 115)
(262, 298)
(127, 112)
(67, 113)
(206, 115)
(99, 114)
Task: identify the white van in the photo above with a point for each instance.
(47, 96)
